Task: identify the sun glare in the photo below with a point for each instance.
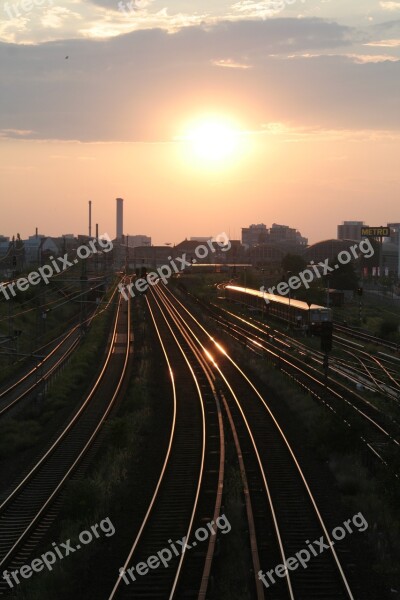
(213, 139)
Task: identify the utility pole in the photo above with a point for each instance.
(126, 255)
(96, 258)
(360, 293)
(10, 327)
(84, 282)
(326, 345)
(327, 293)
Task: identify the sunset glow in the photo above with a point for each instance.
(213, 139)
(200, 221)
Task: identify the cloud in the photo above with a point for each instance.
(251, 9)
(390, 5)
(373, 58)
(263, 8)
(358, 58)
(289, 133)
(136, 6)
(56, 17)
(384, 44)
(230, 64)
(393, 25)
(142, 85)
(16, 133)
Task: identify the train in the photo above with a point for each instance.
(294, 312)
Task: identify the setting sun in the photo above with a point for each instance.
(213, 139)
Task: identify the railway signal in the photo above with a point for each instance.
(326, 336)
(360, 293)
(326, 367)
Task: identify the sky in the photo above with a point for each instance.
(204, 116)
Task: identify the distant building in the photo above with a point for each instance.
(279, 234)
(201, 238)
(254, 235)
(394, 233)
(149, 256)
(138, 240)
(188, 247)
(326, 249)
(350, 230)
(33, 249)
(266, 254)
(390, 259)
(395, 240)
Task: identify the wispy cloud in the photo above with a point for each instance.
(55, 18)
(287, 132)
(373, 58)
(384, 44)
(387, 5)
(16, 133)
(357, 58)
(230, 64)
(262, 9)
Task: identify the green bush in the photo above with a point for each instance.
(388, 327)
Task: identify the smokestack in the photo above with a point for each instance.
(120, 218)
(97, 231)
(90, 218)
(36, 232)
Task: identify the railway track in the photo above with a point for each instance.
(286, 512)
(366, 337)
(379, 429)
(189, 489)
(38, 376)
(388, 389)
(28, 509)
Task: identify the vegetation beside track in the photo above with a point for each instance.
(117, 484)
(31, 426)
(38, 316)
(359, 482)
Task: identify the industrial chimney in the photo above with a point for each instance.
(90, 218)
(120, 218)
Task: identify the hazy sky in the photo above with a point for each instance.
(204, 116)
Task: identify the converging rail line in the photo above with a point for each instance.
(47, 366)
(379, 429)
(293, 515)
(31, 505)
(189, 488)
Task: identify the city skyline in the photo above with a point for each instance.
(188, 236)
(221, 114)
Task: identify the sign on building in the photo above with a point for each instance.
(373, 232)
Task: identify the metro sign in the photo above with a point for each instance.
(372, 232)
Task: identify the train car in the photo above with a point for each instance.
(294, 312)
